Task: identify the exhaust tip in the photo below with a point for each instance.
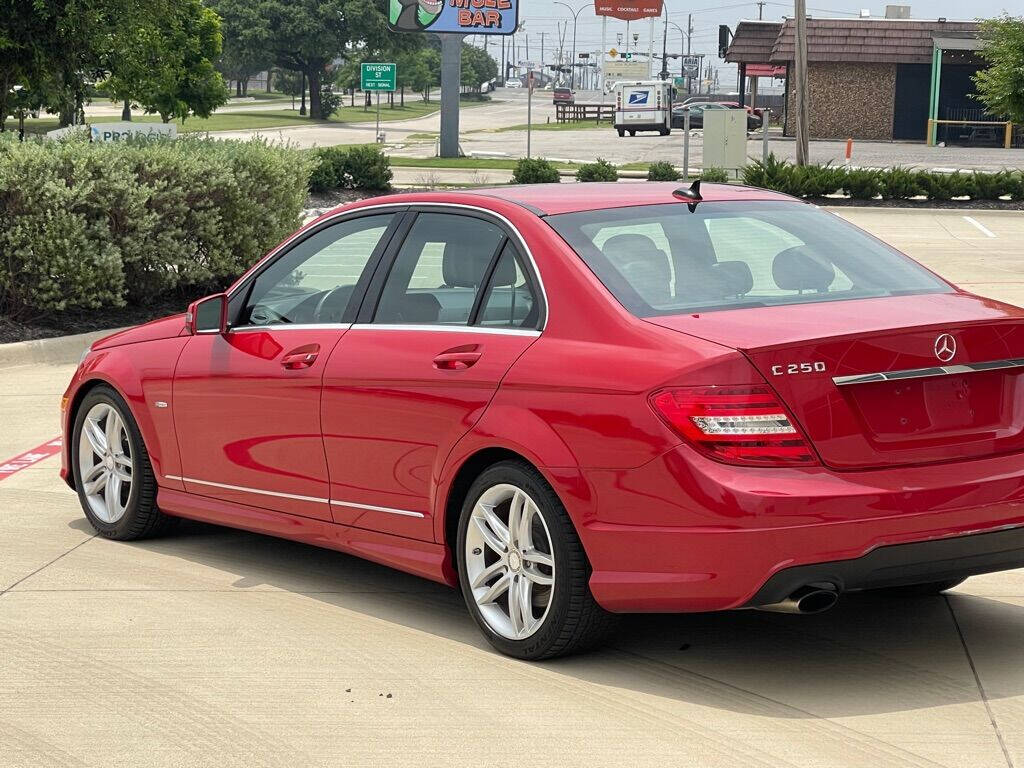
(813, 598)
(817, 601)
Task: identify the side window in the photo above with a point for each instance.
(439, 270)
(757, 243)
(509, 301)
(315, 281)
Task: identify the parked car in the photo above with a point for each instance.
(562, 96)
(697, 110)
(757, 114)
(513, 83)
(570, 403)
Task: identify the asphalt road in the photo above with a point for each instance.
(220, 648)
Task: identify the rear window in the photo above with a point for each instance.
(663, 259)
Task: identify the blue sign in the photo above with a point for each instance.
(470, 17)
(638, 97)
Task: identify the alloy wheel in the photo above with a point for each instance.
(509, 561)
(105, 463)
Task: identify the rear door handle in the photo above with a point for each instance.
(455, 361)
(303, 357)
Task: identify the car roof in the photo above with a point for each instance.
(553, 199)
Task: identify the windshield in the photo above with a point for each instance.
(663, 260)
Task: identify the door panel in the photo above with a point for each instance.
(247, 417)
(395, 401)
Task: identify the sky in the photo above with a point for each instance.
(543, 16)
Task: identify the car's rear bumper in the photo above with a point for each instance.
(684, 533)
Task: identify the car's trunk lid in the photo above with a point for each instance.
(883, 382)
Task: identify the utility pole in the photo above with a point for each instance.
(572, 62)
(802, 111)
(542, 50)
(760, 10)
(689, 40)
(451, 81)
(664, 46)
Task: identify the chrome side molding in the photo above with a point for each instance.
(921, 373)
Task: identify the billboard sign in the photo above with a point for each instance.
(469, 17)
(628, 10)
(614, 71)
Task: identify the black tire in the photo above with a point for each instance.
(632, 133)
(141, 519)
(622, 132)
(665, 131)
(574, 622)
(929, 589)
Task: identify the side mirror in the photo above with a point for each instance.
(209, 315)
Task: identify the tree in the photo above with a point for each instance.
(242, 57)
(308, 35)
(1001, 85)
(477, 67)
(164, 62)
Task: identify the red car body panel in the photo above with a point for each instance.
(373, 426)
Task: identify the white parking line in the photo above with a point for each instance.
(979, 225)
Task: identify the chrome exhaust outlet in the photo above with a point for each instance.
(813, 598)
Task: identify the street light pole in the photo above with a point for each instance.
(664, 46)
(572, 62)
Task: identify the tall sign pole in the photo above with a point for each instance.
(451, 85)
(378, 76)
(802, 110)
(452, 21)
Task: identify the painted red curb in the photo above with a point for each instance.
(27, 459)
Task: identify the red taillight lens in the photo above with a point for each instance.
(737, 425)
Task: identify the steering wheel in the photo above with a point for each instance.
(333, 312)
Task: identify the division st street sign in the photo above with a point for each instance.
(377, 77)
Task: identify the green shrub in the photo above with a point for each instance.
(662, 171)
(367, 167)
(862, 183)
(535, 171)
(946, 186)
(1015, 185)
(602, 170)
(714, 175)
(899, 183)
(771, 173)
(358, 167)
(817, 180)
(92, 225)
(992, 186)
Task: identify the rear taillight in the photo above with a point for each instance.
(735, 424)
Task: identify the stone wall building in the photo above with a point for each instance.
(869, 78)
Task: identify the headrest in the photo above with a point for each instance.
(735, 277)
(463, 264)
(419, 308)
(796, 270)
(505, 272)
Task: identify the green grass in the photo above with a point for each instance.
(271, 118)
(580, 126)
(422, 136)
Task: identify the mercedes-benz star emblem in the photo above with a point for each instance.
(945, 347)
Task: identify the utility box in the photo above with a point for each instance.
(725, 138)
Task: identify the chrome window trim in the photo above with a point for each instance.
(296, 497)
(407, 205)
(446, 328)
(292, 327)
(921, 373)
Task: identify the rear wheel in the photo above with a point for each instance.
(522, 568)
(632, 133)
(920, 590)
(115, 481)
(622, 132)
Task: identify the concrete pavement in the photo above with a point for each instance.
(214, 647)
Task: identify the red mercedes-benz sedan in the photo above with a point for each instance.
(576, 401)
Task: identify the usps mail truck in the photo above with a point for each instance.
(643, 105)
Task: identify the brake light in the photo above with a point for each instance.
(735, 424)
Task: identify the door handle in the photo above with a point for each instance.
(455, 361)
(303, 357)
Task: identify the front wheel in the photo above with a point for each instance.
(115, 481)
(622, 132)
(522, 567)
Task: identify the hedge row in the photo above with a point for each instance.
(84, 226)
(897, 183)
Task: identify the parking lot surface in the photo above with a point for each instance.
(214, 647)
